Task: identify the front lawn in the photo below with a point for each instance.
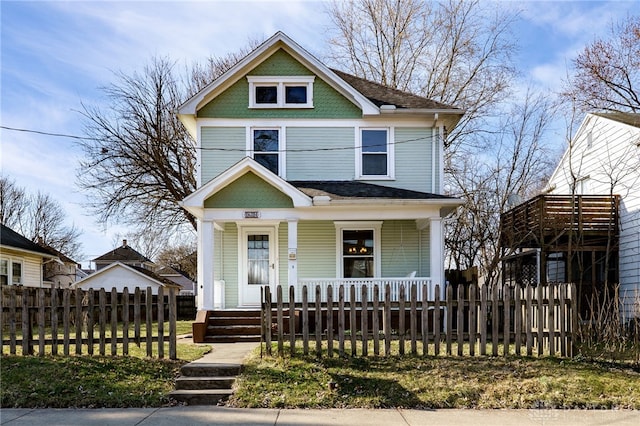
(436, 382)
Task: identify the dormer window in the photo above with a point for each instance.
(280, 92)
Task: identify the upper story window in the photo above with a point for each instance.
(375, 155)
(265, 146)
(280, 92)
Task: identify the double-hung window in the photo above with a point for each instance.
(358, 249)
(374, 154)
(10, 272)
(280, 92)
(265, 146)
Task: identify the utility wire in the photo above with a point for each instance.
(343, 148)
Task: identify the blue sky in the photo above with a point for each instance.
(56, 55)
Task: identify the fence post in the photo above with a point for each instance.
(279, 320)
(472, 319)
(102, 300)
(78, 299)
(436, 321)
(330, 320)
(125, 321)
(136, 315)
(149, 321)
(387, 320)
(27, 348)
(413, 320)
(506, 308)
(449, 325)
(160, 304)
(529, 319)
(352, 318)
(562, 321)
(376, 320)
(318, 321)
(574, 321)
(495, 321)
(363, 320)
(54, 322)
(460, 319)
(517, 319)
(401, 318)
(540, 317)
(292, 320)
(90, 309)
(12, 320)
(173, 318)
(424, 325)
(267, 319)
(305, 320)
(41, 321)
(551, 319)
(483, 320)
(341, 320)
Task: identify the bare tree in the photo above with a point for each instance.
(13, 203)
(38, 217)
(139, 160)
(457, 53)
(180, 257)
(606, 73)
(518, 166)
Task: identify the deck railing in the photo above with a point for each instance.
(394, 284)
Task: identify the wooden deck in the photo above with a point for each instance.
(552, 220)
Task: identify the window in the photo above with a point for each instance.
(280, 92)
(265, 148)
(374, 154)
(10, 272)
(358, 249)
(357, 253)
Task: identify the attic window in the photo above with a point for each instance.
(280, 92)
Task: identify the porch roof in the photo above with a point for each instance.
(346, 190)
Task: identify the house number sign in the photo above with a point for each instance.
(252, 215)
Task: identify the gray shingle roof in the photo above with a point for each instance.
(632, 119)
(383, 95)
(122, 254)
(9, 237)
(360, 190)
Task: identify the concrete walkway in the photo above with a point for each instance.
(201, 415)
(234, 353)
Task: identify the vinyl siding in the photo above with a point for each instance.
(222, 147)
(414, 159)
(230, 264)
(234, 102)
(326, 165)
(31, 266)
(614, 157)
(316, 249)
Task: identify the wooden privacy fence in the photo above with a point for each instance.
(86, 319)
(471, 319)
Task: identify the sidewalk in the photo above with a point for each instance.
(203, 415)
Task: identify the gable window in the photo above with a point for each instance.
(280, 92)
(374, 154)
(358, 249)
(266, 147)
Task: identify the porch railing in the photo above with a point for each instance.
(394, 283)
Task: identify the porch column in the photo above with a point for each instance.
(293, 252)
(436, 252)
(205, 264)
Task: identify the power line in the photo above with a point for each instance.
(343, 148)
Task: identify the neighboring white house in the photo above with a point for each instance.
(119, 275)
(22, 260)
(604, 159)
(309, 175)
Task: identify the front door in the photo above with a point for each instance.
(258, 267)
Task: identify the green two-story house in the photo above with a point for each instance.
(308, 176)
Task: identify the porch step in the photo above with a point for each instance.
(205, 384)
(237, 325)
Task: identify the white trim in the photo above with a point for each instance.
(376, 227)
(390, 153)
(10, 261)
(282, 146)
(281, 83)
(194, 203)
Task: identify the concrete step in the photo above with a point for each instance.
(234, 321)
(239, 329)
(200, 396)
(204, 383)
(203, 369)
(231, 338)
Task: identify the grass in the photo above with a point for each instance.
(93, 381)
(436, 382)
